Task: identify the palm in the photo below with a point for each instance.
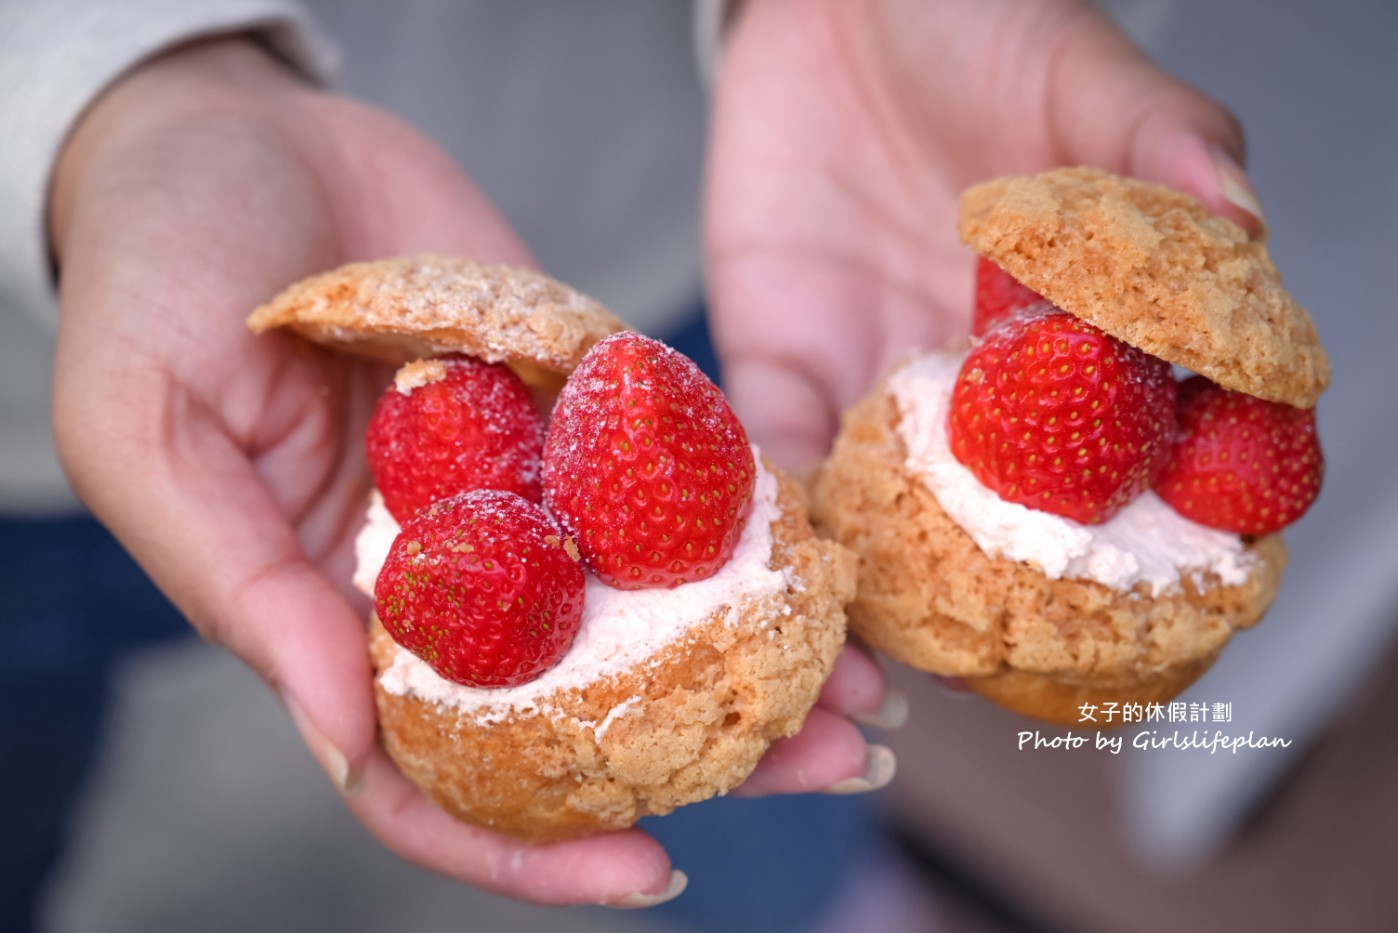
(196, 255)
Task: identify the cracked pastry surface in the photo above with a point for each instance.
(411, 307)
(1152, 267)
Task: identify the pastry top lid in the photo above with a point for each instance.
(417, 306)
(1152, 267)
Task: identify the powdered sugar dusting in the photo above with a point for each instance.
(646, 465)
(450, 425)
(419, 306)
(1146, 542)
(621, 709)
(620, 628)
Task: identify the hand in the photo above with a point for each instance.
(230, 465)
(843, 134)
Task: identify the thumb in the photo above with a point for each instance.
(1174, 135)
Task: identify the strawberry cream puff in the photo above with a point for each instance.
(582, 617)
(1049, 515)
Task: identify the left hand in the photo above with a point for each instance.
(231, 466)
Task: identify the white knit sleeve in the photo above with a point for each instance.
(56, 56)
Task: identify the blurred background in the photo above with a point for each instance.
(199, 809)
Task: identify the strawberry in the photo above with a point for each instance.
(1050, 412)
(450, 425)
(1240, 463)
(481, 587)
(646, 466)
(998, 295)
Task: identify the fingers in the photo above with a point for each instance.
(200, 520)
(829, 755)
(1108, 105)
(856, 689)
(169, 415)
(624, 869)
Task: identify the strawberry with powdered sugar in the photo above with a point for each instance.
(647, 466)
(483, 588)
(1051, 413)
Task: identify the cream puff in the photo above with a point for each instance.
(666, 694)
(1045, 595)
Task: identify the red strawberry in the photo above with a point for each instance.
(481, 587)
(1240, 463)
(1050, 412)
(456, 424)
(998, 295)
(647, 466)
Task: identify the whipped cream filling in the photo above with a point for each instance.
(620, 628)
(1147, 542)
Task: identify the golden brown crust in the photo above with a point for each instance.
(418, 306)
(1152, 267)
(708, 708)
(928, 595)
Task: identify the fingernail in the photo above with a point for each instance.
(331, 759)
(880, 764)
(892, 715)
(678, 882)
(1234, 184)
